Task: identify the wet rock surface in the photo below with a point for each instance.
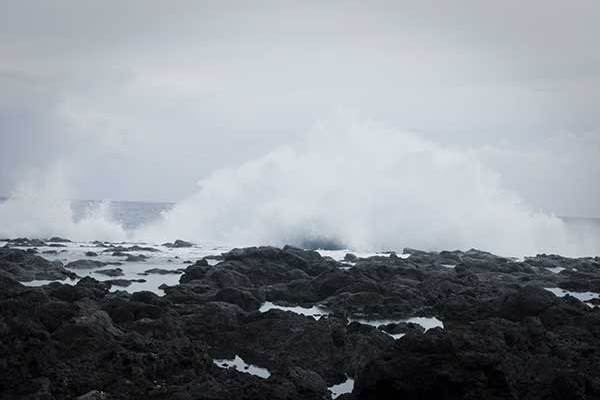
(505, 336)
(178, 244)
(110, 272)
(88, 264)
(25, 266)
(136, 258)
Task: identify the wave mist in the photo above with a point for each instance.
(364, 187)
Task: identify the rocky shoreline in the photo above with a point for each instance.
(270, 323)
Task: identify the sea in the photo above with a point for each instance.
(134, 215)
(129, 214)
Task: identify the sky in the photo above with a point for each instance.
(140, 99)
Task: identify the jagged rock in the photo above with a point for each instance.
(24, 266)
(124, 282)
(110, 272)
(161, 271)
(402, 327)
(243, 298)
(504, 336)
(25, 242)
(121, 249)
(178, 244)
(308, 383)
(56, 239)
(136, 258)
(86, 264)
(349, 257)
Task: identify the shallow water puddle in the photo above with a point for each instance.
(315, 311)
(581, 296)
(47, 282)
(448, 265)
(342, 388)
(556, 270)
(241, 366)
(425, 322)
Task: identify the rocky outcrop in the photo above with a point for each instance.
(88, 264)
(178, 244)
(504, 335)
(25, 266)
(531, 346)
(24, 242)
(136, 258)
(110, 272)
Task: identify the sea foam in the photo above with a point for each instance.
(39, 208)
(364, 187)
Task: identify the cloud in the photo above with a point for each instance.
(143, 98)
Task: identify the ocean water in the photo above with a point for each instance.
(139, 221)
(132, 217)
(337, 188)
(135, 215)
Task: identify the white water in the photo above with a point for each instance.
(166, 258)
(38, 208)
(240, 365)
(426, 322)
(345, 387)
(354, 184)
(581, 296)
(365, 188)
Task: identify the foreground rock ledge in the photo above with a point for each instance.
(504, 336)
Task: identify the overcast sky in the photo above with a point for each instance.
(140, 99)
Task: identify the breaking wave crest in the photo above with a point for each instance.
(39, 208)
(367, 188)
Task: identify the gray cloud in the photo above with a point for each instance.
(142, 98)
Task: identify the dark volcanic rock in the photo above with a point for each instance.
(402, 327)
(124, 282)
(243, 298)
(24, 266)
(110, 272)
(504, 336)
(25, 242)
(91, 254)
(492, 358)
(308, 383)
(86, 264)
(136, 258)
(122, 249)
(161, 271)
(350, 257)
(56, 239)
(178, 244)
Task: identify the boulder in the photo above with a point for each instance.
(24, 266)
(110, 272)
(86, 264)
(178, 244)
